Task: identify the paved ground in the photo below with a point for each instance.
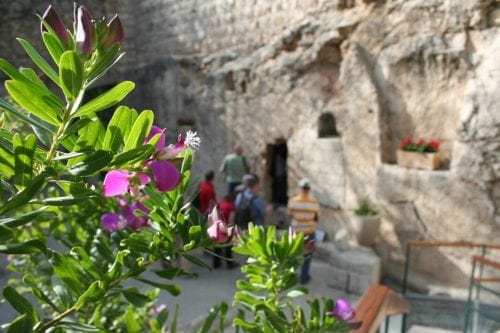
(199, 294)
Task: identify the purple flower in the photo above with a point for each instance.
(154, 131)
(53, 20)
(118, 182)
(84, 31)
(165, 175)
(219, 231)
(111, 222)
(127, 218)
(191, 141)
(114, 34)
(342, 310)
(133, 221)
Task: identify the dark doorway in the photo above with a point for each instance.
(278, 172)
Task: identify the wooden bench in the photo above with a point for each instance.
(378, 302)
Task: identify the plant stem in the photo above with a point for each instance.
(68, 112)
(56, 319)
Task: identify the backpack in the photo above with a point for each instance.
(243, 212)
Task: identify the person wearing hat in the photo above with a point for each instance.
(303, 212)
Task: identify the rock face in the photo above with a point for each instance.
(372, 72)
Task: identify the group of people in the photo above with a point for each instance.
(243, 196)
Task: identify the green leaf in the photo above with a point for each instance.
(66, 200)
(76, 327)
(20, 220)
(24, 149)
(135, 297)
(132, 156)
(19, 303)
(31, 246)
(168, 274)
(91, 135)
(70, 74)
(53, 45)
(5, 233)
(32, 101)
(104, 62)
(173, 289)
(31, 75)
(119, 128)
(10, 70)
(26, 195)
(38, 292)
(43, 135)
(7, 159)
(22, 324)
(39, 61)
(131, 322)
(140, 130)
(196, 261)
(214, 311)
(297, 292)
(106, 100)
(68, 271)
(92, 164)
(33, 121)
(93, 292)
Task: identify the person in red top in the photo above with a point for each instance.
(207, 193)
(228, 210)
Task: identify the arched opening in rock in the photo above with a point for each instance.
(327, 126)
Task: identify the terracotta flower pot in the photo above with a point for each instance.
(416, 160)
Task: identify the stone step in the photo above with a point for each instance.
(351, 270)
(424, 329)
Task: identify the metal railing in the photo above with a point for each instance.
(474, 282)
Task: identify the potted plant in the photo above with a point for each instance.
(366, 223)
(419, 154)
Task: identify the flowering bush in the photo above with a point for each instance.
(75, 241)
(420, 146)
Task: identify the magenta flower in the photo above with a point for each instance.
(53, 20)
(342, 310)
(219, 231)
(118, 182)
(83, 35)
(114, 34)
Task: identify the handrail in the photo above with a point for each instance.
(377, 302)
(418, 243)
(486, 262)
(415, 243)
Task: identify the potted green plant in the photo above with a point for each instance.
(366, 223)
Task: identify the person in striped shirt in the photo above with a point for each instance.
(303, 213)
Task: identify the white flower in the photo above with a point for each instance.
(192, 140)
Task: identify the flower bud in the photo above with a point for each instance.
(53, 20)
(84, 31)
(115, 33)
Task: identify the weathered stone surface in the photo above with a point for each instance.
(258, 71)
(353, 270)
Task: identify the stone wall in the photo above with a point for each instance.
(257, 71)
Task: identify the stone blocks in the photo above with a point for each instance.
(351, 270)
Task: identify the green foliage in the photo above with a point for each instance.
(265, 296)
(53, 152)
(365, 209)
